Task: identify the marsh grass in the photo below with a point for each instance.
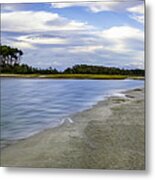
(71, 76)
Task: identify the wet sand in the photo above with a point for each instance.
(110, 135)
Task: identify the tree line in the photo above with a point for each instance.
(10, 62)
(91, 69)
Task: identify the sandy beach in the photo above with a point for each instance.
(110, 135)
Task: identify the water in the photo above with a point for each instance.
(31, 105)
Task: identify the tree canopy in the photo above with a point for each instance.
(91, 69)
(9, 55)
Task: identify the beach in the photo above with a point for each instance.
(110, 135)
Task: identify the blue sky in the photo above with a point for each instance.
(64, 34)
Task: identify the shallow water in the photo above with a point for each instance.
(30, 105)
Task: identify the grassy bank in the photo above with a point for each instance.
(71, 76)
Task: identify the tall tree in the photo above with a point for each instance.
(9, 55)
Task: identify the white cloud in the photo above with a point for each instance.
(26, 21)
(29, 21)
(85, 49)
(71, 41)
(22, 45)
(41, 40)
(122, 32)
(125, 41)
(120, 39)
(137, 13)
(137, 9)
(16, 42)
(138, 18)
(41, 27)
(96, 7)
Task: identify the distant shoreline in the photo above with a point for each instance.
(72, 76)
(110, 135)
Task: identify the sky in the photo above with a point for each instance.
(60, 35)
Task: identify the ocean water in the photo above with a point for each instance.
(29, 106)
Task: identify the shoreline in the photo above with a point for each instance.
(117, 93)
(63, 119)
(92, 139)
(72, 76)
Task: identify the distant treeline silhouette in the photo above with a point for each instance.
(10, 63)
(91, 69)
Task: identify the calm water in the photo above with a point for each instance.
(31, 105)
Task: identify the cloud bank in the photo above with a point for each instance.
(50, 39)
